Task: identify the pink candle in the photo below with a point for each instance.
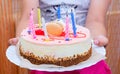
(67, 28)
(32, 27)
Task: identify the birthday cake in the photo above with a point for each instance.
(55, 42)
(56, 48)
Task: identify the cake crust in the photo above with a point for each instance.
(66, 61)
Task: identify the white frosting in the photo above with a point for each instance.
(56, 48)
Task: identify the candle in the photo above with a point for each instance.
(32, 27)
(44, 29)
(39, 17)
(30, 24)
(67, 28)
(73, 22)
(58, 13)
(33, 33)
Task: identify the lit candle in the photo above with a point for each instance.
(73, 22)
(44, 29)
(39, 17)
(67, 28)
(58, 13)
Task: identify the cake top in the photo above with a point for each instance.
(56, 34)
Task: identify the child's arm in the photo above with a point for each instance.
(95, 21)
(27, 6)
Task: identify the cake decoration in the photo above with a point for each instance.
(67, 28)
(54, 28)
(58, 13)
(39, 18)
(73, 23)
(45, 30)
(39, 32)
(31, 29)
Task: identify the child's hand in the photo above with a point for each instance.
(101, 40)
(13, 41)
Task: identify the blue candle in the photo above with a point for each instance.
(73, 23)
(58, 13)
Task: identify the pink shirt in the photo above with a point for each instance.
(99, 68)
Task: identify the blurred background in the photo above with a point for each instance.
(10, 11)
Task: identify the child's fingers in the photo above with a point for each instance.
(101, 41)
(13, 41)
(96, 42)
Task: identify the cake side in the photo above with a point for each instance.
(61, 61)
(55, 50)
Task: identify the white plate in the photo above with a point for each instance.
(98, 54)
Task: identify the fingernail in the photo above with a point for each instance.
(96, 41)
